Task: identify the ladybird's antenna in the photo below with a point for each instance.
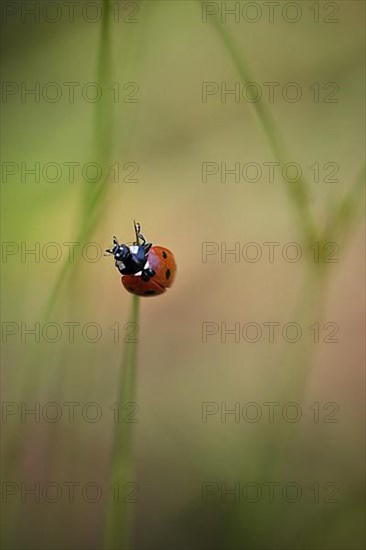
(115, 242)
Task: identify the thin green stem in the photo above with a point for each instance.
(32, 380)
(119, 520)
(95, 192)
(297, 192)
(103, 121)
(92, 202)
(345, 213)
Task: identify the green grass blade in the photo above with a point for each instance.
(298, 193)
(119, 519)
(346, 211)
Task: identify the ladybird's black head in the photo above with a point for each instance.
(130, 260)
(121, 252)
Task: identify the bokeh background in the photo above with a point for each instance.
(168, 133)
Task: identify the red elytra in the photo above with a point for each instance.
(161, 260)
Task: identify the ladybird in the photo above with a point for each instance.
(146, 270)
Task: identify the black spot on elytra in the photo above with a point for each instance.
(164, 254)
(167, 274)
(131, 289)
(149, 292)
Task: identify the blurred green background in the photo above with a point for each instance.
(168, 133)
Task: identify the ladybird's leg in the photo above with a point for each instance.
(139, 235)
(146, 274)
(137, 227)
